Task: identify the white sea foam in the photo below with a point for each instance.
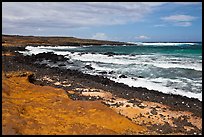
(99, 68)
(163, 43)
(34, 50)
(154, 60)
(57, 47)
(141, 82)
(165, 80)
(126, 64)
(41, 49)
(197, 67)
(140, 59)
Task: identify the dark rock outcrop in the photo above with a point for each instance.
(89, 67)
(122, 76)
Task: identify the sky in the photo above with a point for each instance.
(118, 21)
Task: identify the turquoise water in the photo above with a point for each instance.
(172, 68)
(181, 50)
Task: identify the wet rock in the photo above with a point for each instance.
(111, 72)
(110, 54)
(132, 55)
(122, 76)
(49, 56)
(70, 62)
(61, 65)
(81, 53)
(89, 67)
(103, 72)
(134, 78)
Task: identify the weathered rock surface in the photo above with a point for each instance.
(30, 109)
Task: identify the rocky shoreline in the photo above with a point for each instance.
(118, 96)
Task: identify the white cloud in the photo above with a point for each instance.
(54, 17)
(152, 4)
(66, 15)
(187, 3)
(39, 29)
(100, 36)
(142, 37)
(160, 25)
(183, 24)
(180, 19)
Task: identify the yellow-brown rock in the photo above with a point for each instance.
(30, 109)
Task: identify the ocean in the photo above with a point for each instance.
(171, 68)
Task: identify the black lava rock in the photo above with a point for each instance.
(89, 67)
(122, 76)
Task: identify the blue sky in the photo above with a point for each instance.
(121, 21)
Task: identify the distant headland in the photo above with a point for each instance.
(22, 41)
